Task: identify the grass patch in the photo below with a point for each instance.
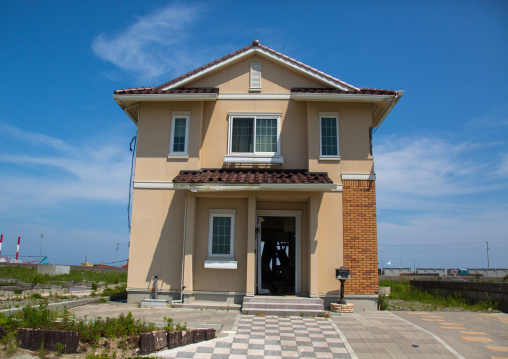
(91, 331)
(30, 275)
(405, 292)
(119, 289)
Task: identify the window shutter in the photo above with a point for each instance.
(255, 76)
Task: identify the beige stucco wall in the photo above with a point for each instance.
(156, 239)
(274, 77)
(225, 280)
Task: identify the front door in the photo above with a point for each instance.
(276, 255)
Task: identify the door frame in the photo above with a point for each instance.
(297, 215)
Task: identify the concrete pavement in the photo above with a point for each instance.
(360, 335)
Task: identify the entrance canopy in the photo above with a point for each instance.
(254, 179)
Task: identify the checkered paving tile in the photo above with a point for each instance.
(272, 337)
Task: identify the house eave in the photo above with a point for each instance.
(338, 97)
(166, 97)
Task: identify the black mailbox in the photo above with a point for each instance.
(342, 273)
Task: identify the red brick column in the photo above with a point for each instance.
(360, 236)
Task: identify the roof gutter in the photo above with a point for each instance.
(388, 108)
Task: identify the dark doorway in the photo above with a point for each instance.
(278, 248)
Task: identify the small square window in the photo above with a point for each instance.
(179, 143)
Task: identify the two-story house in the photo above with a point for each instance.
(254, 175)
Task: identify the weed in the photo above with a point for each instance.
(36, 296)
(301, 314)
(102, 300)
(121, 289)
(94, 287)
(59, 348)
(259, 314)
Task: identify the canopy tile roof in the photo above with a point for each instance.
(252, 176)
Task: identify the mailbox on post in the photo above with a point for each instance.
(342, 274)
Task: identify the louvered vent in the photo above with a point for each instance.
(255, 76)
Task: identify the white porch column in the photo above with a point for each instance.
(251, 247)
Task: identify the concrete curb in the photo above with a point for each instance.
(57, 306)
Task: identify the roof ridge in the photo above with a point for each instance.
(255, 44)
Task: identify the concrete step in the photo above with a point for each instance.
(283, 306)
(303, 306)
(206, 306)
(285, 312)
(278, 299)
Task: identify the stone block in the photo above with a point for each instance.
(341, 308)
(211, 333)
(33, 339)
(174, 340)
(199, 335)
(151, 342)
(187, 337)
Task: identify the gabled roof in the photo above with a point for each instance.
(256, 47)
(382, 100)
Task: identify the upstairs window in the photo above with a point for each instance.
(179, 143)
(329, 133)
(254, 135)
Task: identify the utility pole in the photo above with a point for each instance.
(40, 254)
(488, 260)
(116, 257)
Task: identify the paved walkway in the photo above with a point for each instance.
(362, 335)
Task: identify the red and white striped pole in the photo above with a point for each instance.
(1, 240)
(17, 249)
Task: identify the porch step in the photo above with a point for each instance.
(207, 306)
(283, 306)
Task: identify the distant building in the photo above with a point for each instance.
(396, 271)
(489, 272)
(438, 271)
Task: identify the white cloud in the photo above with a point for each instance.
(430, 167)
(97, 172)
(155, 44)
(35, 138)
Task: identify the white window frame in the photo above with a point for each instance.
(253, 157)
(222, 213)
(185, 152)
(322, 157)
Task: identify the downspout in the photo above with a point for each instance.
(182, 287)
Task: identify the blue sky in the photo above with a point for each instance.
(441, 155)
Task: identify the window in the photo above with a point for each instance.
(179, 143)
(329, 134)
(222, 233)
(254, 135)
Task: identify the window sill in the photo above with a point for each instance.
(329, 158)
(178, 157)
(253, 159)
(220, 264)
